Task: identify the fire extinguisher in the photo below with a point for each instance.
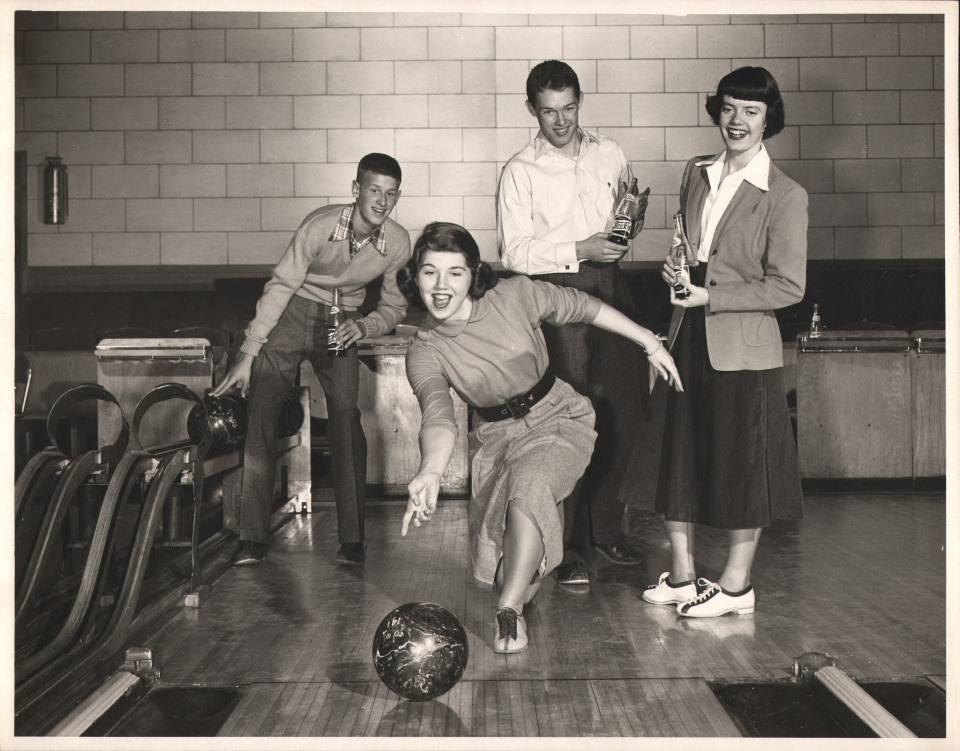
(55, 191)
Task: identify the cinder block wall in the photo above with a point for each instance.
(204, 138)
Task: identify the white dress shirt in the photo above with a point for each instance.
(547, 201)
(756, 172)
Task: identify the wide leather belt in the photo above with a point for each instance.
(521, 404)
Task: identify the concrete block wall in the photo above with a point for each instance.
(204, 138)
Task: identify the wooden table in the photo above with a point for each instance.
(854, 405)
(928, 387)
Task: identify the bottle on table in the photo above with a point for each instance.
(816, 327)
(680, 256)
(334, 343)
(625, 215)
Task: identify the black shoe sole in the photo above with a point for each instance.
(616, 562)
(343, 554)
(578, 582)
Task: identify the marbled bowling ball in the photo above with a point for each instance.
(226, 419)
(420, 650)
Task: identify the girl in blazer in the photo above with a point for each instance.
(729, 458)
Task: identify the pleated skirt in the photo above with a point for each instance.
(729, 456)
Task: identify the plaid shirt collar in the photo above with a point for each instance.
(343, 231)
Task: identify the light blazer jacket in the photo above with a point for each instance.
(757, 264)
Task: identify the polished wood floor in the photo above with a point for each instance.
(861, 578)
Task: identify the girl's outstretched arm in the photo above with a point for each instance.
(611, 319)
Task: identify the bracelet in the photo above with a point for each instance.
(659, 347)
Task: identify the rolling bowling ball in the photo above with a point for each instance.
(226, 419)
(420, 650)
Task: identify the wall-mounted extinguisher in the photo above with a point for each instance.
(55, 191)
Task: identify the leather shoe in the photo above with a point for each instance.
(665, 593)
(351, 553)
(573, 572)
(714, 600)
(250, 553)
(619, 553)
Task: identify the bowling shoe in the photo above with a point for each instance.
(250, 553)
(665, 593)
(713, 600)
(351, 553)
(511, 632)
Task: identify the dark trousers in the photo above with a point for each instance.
(301, 334)
(612, 373)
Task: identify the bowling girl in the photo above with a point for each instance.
(533, 434)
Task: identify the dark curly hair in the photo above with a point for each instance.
(751, 85)
(449, 238)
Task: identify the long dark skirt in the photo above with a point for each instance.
(729, 457)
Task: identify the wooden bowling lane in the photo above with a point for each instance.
(520, 708)
(860, 578)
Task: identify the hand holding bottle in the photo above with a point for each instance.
(683, 294)
(336, 345)
(599, 248)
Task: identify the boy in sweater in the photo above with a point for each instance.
(337, 247)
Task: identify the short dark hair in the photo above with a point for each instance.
(551, 74)
(449, 238)
(380, 164)
(751, 84)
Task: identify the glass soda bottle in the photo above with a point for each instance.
(334, 345)
(680, 256)
(625, 215)
(816, 327)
